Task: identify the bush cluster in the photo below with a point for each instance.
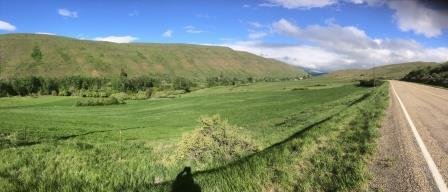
(370, 82)
(430, 75)
(99, 101)
(214, 141)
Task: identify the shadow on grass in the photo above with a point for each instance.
(296, 135)
(184, 182)
(175, 183)
(61, 138)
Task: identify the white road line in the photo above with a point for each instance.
(432, 166)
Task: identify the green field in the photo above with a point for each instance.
(313, 135)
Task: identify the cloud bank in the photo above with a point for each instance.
(117, 39)
(333, 47)
(410, 15)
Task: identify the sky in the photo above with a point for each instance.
(323, 35)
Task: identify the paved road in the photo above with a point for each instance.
(401, 163)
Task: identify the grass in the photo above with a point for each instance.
(318, 138)
(62, 56)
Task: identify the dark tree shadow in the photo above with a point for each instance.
(184, 182)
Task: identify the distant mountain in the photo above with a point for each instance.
(392, 71)
(314, 72)
(55, 56)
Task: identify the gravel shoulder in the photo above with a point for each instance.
(399, 164)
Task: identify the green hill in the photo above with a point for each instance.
(55, 56)
(393, 71)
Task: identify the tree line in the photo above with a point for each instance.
(103, 87)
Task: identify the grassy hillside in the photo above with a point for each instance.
(393, 71)
(54, 56)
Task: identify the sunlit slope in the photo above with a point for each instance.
(61, 56)
(393, 71)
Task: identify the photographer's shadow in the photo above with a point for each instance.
(184, 182)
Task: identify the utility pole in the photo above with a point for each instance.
(374, 75)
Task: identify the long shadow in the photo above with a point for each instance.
(62, 138)
(365, 96)
(266, 150)
(93, 132)
(165, 184)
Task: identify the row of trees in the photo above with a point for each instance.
(430, 75)
(78, 85)
(103, 87)
(224, 81)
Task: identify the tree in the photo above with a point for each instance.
(36, 54)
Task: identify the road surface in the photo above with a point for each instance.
(403, 163)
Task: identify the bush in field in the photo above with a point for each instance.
(142, 95)
(370, 82)
(214, 141)
(99, 101)
(120, 96)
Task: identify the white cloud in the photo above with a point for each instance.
(299, 4)
(192, 29)
(117, 39)
(368, 2)
(285, 26)
(256, 35)
(333, 47)
(67, 13)
(7, 26)
(410, 15)
(44, 33)
(167, 33)
(256, 25)
(413, 16)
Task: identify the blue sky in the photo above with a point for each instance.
(332, 31)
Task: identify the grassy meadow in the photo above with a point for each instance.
(313, 135)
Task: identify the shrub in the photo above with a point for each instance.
(120, 96)
(370, 82)
(142, 95)
(99, 101)
(214, 141)
(299, 89)
(64, 93)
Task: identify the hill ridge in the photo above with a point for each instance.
(56, 56)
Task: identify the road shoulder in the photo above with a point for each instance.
(398, 165)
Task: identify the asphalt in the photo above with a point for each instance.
(399, 164)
